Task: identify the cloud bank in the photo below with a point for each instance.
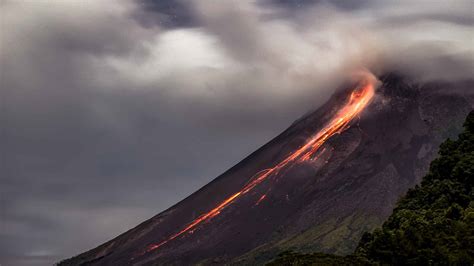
(115, 110)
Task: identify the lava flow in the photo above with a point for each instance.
(358, 100)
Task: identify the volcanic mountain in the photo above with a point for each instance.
(318, 186)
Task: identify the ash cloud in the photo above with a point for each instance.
(112, 111)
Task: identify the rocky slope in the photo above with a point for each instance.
(322, 206)
(433, 224)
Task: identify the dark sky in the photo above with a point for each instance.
(112, 111)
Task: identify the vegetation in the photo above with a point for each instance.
(432, 225)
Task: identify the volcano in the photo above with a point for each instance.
(332, 175)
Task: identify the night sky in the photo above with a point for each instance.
(113, 111)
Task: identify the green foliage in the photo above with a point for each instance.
(297, 259)
(432, 225)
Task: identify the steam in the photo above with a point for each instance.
(238, 50)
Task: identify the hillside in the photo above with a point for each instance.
(432, 224)
(280, 199)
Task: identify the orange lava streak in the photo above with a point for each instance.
(260, 199)
(357, 102)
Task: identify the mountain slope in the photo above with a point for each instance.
(321, 205)
(433, 222)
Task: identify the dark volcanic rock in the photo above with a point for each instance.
(321, 206)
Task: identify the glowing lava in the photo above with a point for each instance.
(260, 199)
(358, 100)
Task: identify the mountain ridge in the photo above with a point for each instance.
(328, 195)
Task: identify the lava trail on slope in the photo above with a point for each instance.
(322, 201)
(358, 100)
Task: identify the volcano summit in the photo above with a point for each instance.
(332, 175)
